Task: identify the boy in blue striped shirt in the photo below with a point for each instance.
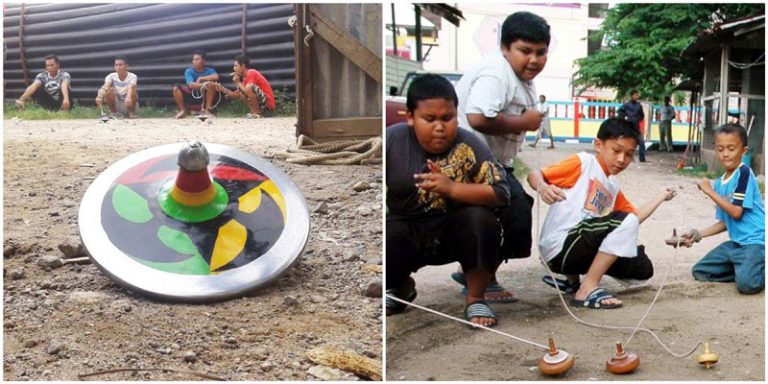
(739, 210)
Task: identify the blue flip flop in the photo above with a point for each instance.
(565, 286)
(594, 300)
(480, 309)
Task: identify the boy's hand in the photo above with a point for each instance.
(669, 194)
(532, 119)
(690, 237)
(551, 194)
(434, 181)
(705, 186)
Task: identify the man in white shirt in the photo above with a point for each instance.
(544, 128)
(119, 90)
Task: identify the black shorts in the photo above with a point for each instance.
(193, 99)
(516, 220)
(47, 101)
(583, 243)
(470, 235)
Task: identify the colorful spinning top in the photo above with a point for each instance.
(193, 223)
(707, 358)
(622, 362)
(555, 361)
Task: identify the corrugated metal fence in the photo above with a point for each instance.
(157, 39)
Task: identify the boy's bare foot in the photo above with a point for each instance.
(480, 313)
(131, 115)
(181, 114)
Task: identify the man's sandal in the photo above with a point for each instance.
(491, 291)
(394, 307)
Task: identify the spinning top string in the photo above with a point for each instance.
(542, 346)
(635, 328)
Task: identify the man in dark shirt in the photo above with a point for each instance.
(50, 88)
(632, 110)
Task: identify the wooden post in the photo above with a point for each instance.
(303, 74)
(576, 119)
(243, 29)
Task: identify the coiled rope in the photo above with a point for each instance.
(343, 152)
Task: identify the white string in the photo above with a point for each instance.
(562, 300)
(465, 321)
(634, 329)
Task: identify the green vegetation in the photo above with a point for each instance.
(521, 169)
(645, 42)
(283, 107)
(700, 172)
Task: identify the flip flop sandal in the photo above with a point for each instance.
(479, 309)
(459, 278)
(594, 300)
(493, 287)
(564, 286)
(394, 307)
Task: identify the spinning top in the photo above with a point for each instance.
(622, 362)
(104, 118)
(555, 361)
(707, 358)
(674, 240)
(193, 223)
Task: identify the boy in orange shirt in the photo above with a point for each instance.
(591, 228)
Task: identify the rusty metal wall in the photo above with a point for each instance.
(341, 88)
(157, 39)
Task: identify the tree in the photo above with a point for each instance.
(645, 43)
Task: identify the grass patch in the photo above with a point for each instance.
(700, 172)
(284, 106)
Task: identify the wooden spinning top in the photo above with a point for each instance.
(674, 240)
(707, 358)
(555, 361)
(622, 362)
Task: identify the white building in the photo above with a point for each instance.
(460, 48)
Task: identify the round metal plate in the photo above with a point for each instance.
(131, 240)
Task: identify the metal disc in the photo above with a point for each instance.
(134, 242)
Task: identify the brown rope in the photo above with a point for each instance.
(345, 152)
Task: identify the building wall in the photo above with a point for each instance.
(479, 35)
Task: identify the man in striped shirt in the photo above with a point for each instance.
(119, 90)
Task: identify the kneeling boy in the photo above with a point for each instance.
(441, 183)
(739, 209)
(591, 228)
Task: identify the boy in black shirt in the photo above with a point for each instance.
(441, 185)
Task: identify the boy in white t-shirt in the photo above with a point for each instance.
(591, 228)
(497, 102)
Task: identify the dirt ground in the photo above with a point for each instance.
(424, 346)
(61, 322)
